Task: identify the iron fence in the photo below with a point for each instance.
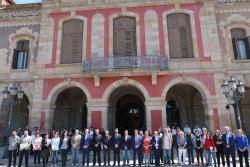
(125, 62)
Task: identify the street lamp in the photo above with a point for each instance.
(233, 90)
(12, 94)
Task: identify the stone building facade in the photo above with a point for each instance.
(124, 63)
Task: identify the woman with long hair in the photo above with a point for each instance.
(37, 146)
(219, 148)
(210, 149)
(146, 148)
(55, 142)
(45, 152)
(64, 147)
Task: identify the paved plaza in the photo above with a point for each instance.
(4, 162)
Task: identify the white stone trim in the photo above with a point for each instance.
(112, 87)
(59, 37)
(63, 86)
(97, 35)
(152, 31)
(23, 34)
(138, 36)
(193, 29)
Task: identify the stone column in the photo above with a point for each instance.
(156, 114)
(35, 90)
(48, 111)
(97, 114)
(211, 112)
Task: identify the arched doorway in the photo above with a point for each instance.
(245, 111)
(19, 117)
(71, 110)
(184, 105)
(126, 109)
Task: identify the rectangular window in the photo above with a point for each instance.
(20, 55)
(240, 43)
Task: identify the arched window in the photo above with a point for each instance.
(180, 36)
(20, 56)
(240, 44)
(124, 43)
(72, 41)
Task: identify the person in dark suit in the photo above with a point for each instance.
(86, 147)
(228, 140)
(126, 146)
(96, 147)
(137, 145)
(116, 141)
(107, 145)
(156, 144)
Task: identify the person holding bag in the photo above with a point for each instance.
(25, 144)
(37, 146)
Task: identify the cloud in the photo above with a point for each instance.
(26, 1)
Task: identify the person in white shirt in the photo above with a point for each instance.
(55, 142)
(25, 144)
(75, 147)
(37, 146)
(167, 145)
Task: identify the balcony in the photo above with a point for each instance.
(113, 63)
(232, 1)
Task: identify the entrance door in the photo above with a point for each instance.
(126, 109)
(130, 113)
(184, 106)
(71, 110)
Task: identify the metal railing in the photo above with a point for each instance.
(126, 62)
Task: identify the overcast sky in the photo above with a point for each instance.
(27, 1)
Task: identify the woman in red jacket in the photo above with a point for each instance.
(210, 149)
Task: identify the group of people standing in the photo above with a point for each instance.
(147, 148)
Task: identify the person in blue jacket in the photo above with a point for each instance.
(137, 144)
(241, 142)
(228, 140)
(116, 142)
(86, 147)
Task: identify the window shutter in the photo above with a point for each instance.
(235, 48)
(15, 59)
(180, 36)
(248, 47)
(72, 42)
(26, 63)
(125, 37)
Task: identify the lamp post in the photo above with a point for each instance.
(233, 90)
(12, 94)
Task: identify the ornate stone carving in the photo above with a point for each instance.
(19, 14)
(234, 18)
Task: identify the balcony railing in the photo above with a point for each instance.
(126, 62)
